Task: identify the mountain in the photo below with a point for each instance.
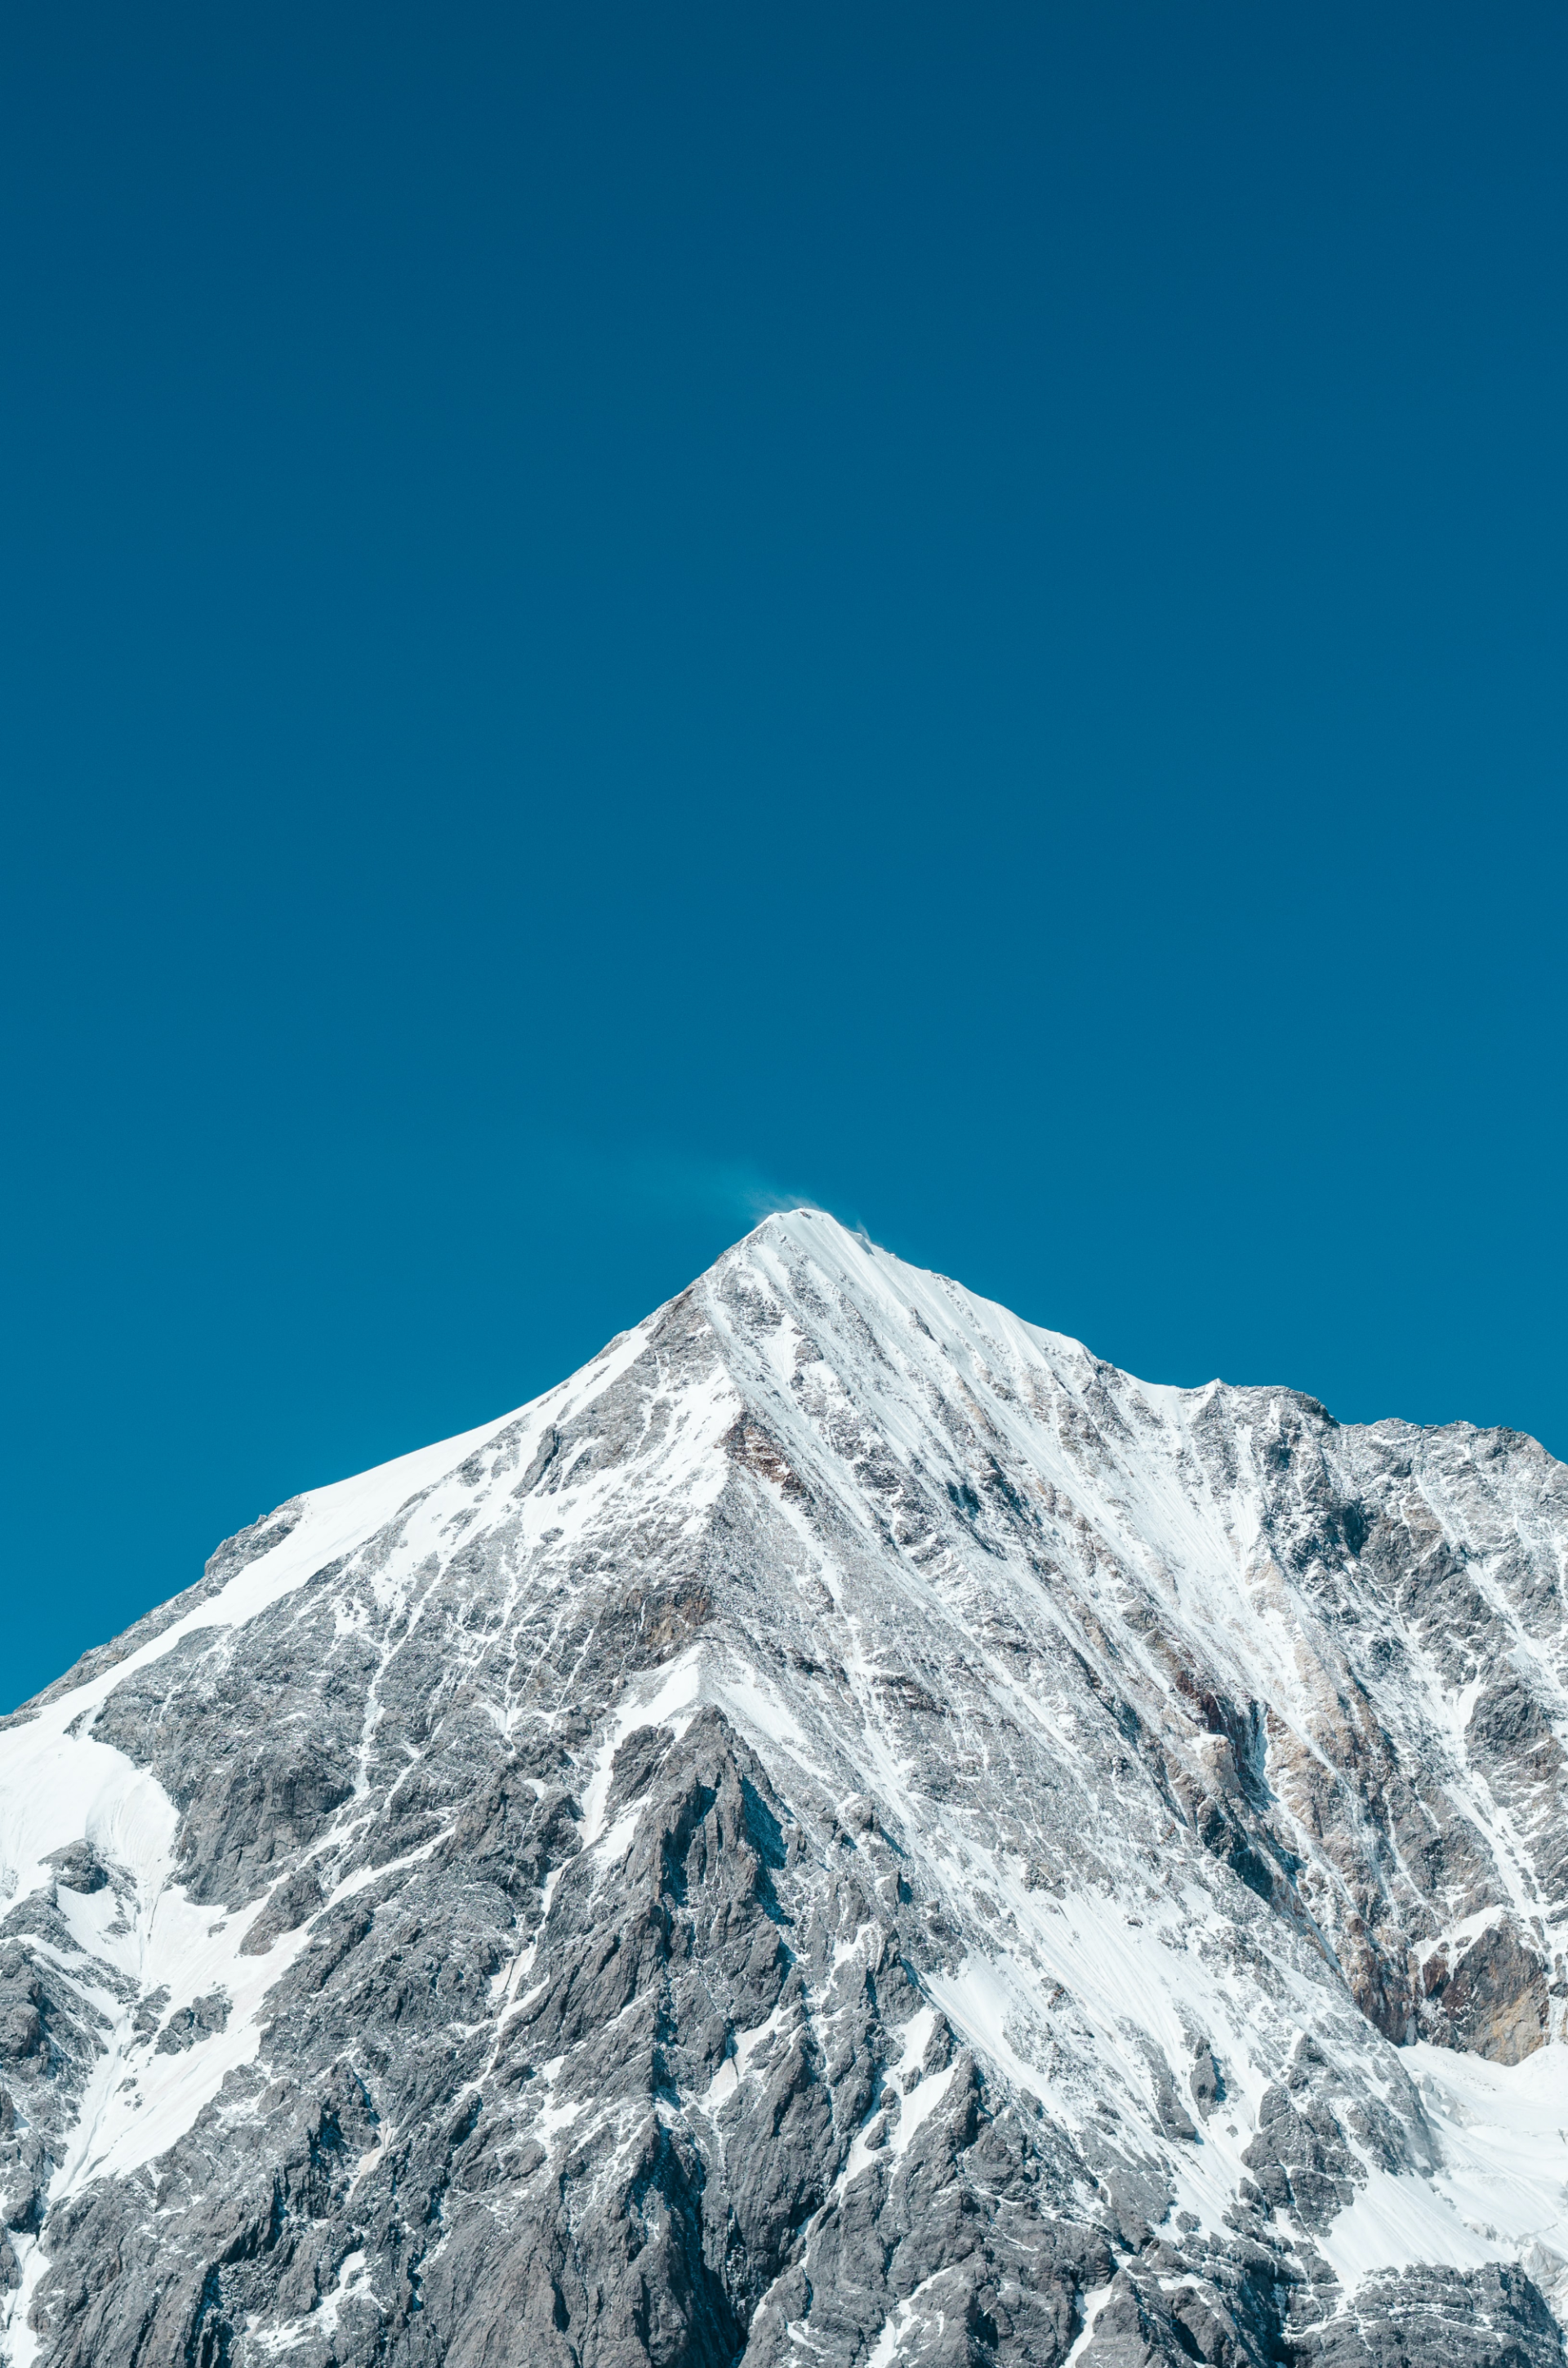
(850, 1832)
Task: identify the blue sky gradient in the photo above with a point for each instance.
(612, 615)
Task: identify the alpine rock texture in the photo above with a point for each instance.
(848, 1833)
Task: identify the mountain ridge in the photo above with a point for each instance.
(976, 1825)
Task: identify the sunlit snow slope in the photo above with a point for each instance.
(848, 1826)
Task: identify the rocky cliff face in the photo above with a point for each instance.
(849, 1832)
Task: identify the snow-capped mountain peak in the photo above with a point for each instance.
(849, 1825)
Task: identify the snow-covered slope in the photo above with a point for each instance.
(849, 1826)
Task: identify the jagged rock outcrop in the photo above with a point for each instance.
(850, 1827)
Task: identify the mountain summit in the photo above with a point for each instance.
(850, 1832)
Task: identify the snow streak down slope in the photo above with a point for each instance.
(850, 1823)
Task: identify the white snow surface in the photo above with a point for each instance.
(1499, 2192)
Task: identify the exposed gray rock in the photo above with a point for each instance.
(191, 2024)
(77, 1868)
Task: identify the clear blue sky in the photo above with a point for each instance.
(615, 612)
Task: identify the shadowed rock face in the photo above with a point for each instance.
(849, 1830)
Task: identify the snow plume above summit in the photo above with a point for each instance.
(848, 1826)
